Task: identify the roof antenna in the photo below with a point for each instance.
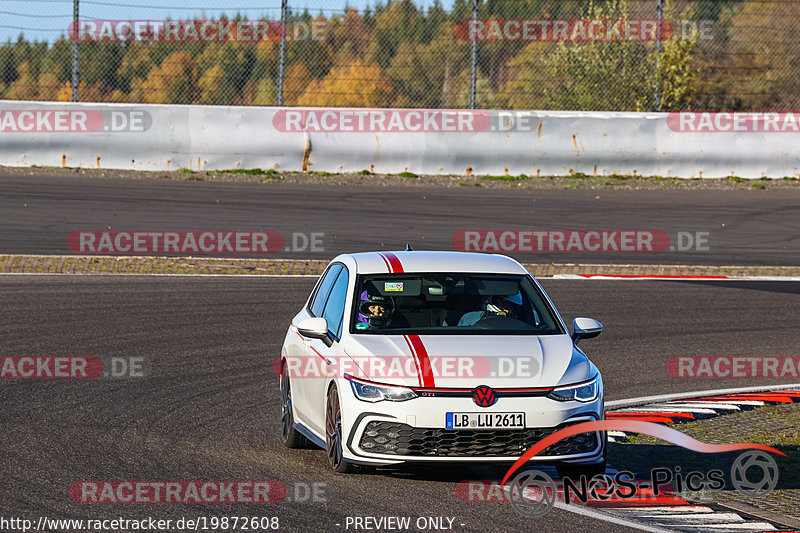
(408, 248)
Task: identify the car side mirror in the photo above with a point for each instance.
(315, 328)
(585, 328)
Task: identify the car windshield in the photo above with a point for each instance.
(447, 303)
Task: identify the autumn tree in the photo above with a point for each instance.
(263, 92)
(265, 64)
(408, 53)
(100, 63)
(614, 76)
(296, 82)
(49, 83)
(315, 55)
(172, 82)
(136, 63)
(525, 90)
(757, 62)
(24, 87)
(354, 85)
(399, 22)
(348, 37)
(424, 75)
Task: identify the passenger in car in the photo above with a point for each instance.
(495, 306)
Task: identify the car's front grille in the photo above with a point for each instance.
(392, 438)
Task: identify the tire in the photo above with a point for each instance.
(333, 434)
(289, 435)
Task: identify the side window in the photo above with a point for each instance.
(334, 309)
(318, 302)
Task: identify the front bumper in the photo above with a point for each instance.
(414, 430)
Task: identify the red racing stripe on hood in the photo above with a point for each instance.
(414, 357)
(424, 361)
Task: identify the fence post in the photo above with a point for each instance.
(473, 83)
(659, 36)
(75, 39)
(282, 53)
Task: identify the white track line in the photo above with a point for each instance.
(694, 518)
(665, 409)
(670, 509)
(744, 526)
(699, 405)
(753, 403)
(606, 517)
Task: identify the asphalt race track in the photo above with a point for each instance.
(207, 407)
(743, 227)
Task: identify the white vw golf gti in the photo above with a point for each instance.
(437, 356)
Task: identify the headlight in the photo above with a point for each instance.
(373, 392)
(582, 392)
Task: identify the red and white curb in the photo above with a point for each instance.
(699, 408)
(674, 513)
(693, 518)
(689, 406)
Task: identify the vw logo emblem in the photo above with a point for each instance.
(484, 396)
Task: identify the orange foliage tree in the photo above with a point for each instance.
(354, 85)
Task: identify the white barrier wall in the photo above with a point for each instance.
(164, 137)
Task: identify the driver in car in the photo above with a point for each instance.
(375, 311)
(508, 306)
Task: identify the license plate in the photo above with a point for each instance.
(485, 420)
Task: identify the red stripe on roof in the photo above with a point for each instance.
(388, 266)
(397, 266)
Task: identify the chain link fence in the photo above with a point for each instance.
(615, 55)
